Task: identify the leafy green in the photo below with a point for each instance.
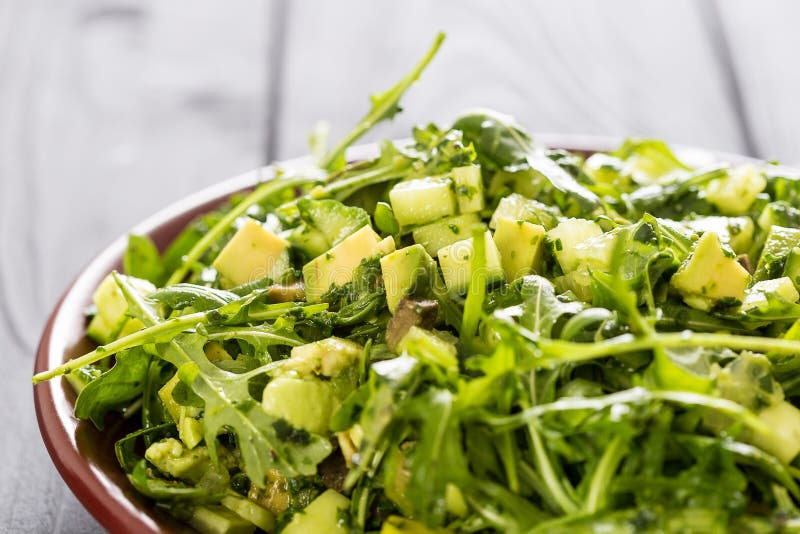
(142, 259)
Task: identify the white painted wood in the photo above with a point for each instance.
(764, 42)
(109, 110)
(622, 67)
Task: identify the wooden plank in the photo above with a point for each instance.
(109, 110)
(763, 42)
(621, 68)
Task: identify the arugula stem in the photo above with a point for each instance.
(598, 488)
(545, 467)
(384, 106)
(261, 193)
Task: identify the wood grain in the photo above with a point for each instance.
(109, 110)
(621, 68)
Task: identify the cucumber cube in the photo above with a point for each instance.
(456, 263)
(521, 246)
(437, 235)
(469, 188)
(422, 200)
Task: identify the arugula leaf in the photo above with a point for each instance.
(142, 260)
(199, 298)
(114, 389)
(384, 106)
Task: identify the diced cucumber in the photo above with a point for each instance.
(442, 233)
(566, 236)
(322, 515)
(783, 442)
(422, 200)
(734, 194)
(252, 253)
(469, 188)
(603, 168)
(250, 511)
(780, 241)
(518, 208)
(521, 246)
(456, 263)
(215, 519)
(757, 296)
(313, 414)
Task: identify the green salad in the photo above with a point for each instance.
(469, 332)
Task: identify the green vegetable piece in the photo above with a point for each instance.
(250, 511)
(758, 296)
(519, 208)
(457, 267)
(327, 357)
(111, 306)
(395, 524)
(214, 519)
(337, 266)
(567, 236)
(521, 246)
(440, 234)
(327, 223)
(385, 221)
(423, 200)
(324, 514)
(469, 188)
(172, 458)
(783, 439)
(710, 275)
(737, 232)
(252, 253)
(791, 268)
(409, 271)
(648, 160)
(780, 242)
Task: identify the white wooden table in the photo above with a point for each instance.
(110, 109)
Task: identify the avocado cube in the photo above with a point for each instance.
(783, 442)
(422, 200)
(111, 318)
(326, 357)
(215, 519)
(439, 234)
(190, 430)
(336, 267)
(305, 403)
(737, 232)
(252, 253)
(710, 274)
(469, 188)
(734, 194)
(172, 458)
(405, 272)
(322, 515)
(456, 263)
(757, 296)
(521, 246)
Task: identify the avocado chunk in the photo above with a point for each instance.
(411, 312)
(456, 263)
(336, 267)
(791, 268)
(324, 514)
(469, 188)
(422, 200)
(111, 318)
(758, 295)
(783, 442)
(327, 357)
(305, 403)
(190, 430)
(252, 253)
(735, 193)
(737, 232)
(710, 275)
(172, 458)
(405, 272)
(395, 524)
(215, 519)
(521, 246)
(518, 208)
(250, 511)
(779, 244)
(437, 235)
